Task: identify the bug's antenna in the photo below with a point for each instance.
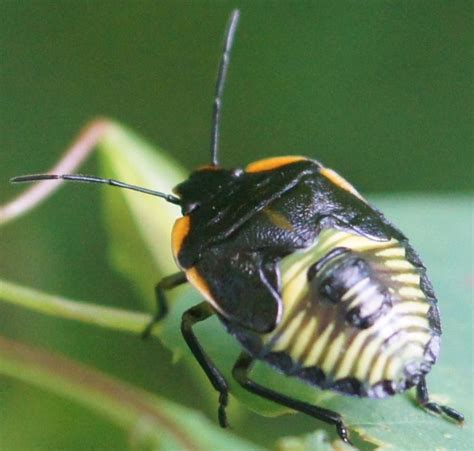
(221, 76)
(92, 179)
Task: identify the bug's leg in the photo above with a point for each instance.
(74, 156)
(424, 400)
(167, 283)
(241, 374)
(192, 316)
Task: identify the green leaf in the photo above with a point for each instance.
(438, 227)
(316, 441)
(139, 226)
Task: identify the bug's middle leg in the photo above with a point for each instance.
(241, 374)
(190, 317)
(166, 283)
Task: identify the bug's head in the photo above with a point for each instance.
(203, 185)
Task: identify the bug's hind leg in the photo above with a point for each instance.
(167, 283)
(423, 399)
(241, 374)
(190, 317)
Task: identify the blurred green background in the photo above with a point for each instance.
(381, 91)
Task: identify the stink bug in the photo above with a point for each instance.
(303, 272)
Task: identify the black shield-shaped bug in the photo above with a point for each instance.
(303, 272)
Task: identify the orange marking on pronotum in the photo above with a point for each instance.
(339, 181)
(272, 163)
(199, 283)
(180, 230)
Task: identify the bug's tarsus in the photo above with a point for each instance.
(241, 372)
(423, 399)
(93, 179)
(221, 77)
(190, 317)
(165, 284)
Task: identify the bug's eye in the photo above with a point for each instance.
(192, 206)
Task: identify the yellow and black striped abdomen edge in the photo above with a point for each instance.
(315, 340)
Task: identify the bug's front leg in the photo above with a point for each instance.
(192, 316)
(241, 374)
(74, 156)
(167, 283)
(423, 399)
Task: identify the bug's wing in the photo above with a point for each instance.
(244, 290)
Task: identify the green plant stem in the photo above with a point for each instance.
(53, 305)
(127, 407)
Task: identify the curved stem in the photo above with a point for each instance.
(81, 148)
(126, 406)
(53, 305)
